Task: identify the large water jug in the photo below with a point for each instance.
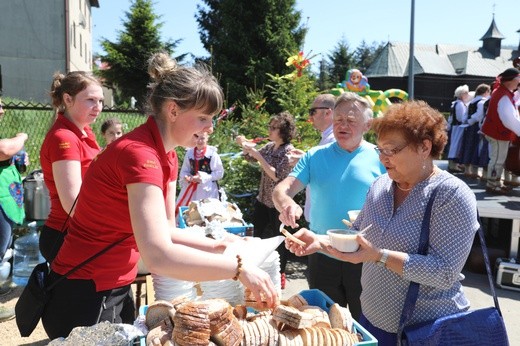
(26, 255)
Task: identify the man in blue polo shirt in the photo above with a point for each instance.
(339, 175)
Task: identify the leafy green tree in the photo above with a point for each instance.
(126, 59)
(365, 54)
(247, 40)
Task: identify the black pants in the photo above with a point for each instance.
(76, 303)
(341, 281)
(51, 241)
(267, 225)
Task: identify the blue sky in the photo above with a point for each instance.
(330, 21)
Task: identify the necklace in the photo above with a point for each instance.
(409, 189)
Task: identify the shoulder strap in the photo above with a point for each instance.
(413, 289)
(488, 265)
(91, 258)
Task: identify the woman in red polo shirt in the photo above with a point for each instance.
(68, 149)
(128, 195)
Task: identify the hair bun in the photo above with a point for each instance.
(160, 65)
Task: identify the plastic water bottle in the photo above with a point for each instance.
(26, 255)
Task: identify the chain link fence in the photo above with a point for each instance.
(36, 119)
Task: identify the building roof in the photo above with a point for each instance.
(439, 59)
(94, 3)
(493, 32)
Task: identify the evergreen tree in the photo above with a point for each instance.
(247, 40)
(127, 58)
(365, 54)
(340, 61)
(324, 79)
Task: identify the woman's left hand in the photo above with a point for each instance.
(260, 284)
(313, 243)
(196, 178)
(251, 151)
(366, 252)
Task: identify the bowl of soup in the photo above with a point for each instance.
(343, 240)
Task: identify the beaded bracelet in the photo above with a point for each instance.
(239, 268)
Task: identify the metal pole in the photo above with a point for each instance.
(411, 59)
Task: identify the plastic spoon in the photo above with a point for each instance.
(364, 230)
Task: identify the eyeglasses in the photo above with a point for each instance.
(272, 127)
(313, 110)
(390, 152)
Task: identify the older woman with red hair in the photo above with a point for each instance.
(409, 137)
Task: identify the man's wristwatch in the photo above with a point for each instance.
(384, 257)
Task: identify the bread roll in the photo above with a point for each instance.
(292, 317)
(320, 316)
(297, 301)
(159, 335)
(156, 313)
(340, 317)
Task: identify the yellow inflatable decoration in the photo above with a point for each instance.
(378, 99)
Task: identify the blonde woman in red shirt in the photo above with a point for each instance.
(137, 175)
(68, 149)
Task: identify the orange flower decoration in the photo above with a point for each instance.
(299, 62)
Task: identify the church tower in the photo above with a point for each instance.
(492, 39)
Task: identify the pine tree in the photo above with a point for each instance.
(247, 40)
(127, 57)
(365, 54)
(341, 60)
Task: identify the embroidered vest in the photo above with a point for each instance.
(493, 126)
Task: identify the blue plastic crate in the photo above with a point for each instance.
(238, 230)
(313, 297)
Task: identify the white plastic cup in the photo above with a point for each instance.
(343, 240)
(353, 214)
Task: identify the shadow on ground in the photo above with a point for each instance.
(296, 267)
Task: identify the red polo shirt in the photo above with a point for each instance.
(102, 216)
(64, 141)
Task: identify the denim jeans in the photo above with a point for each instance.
(6, 235)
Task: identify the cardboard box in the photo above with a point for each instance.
(508, 274)
(246, 230)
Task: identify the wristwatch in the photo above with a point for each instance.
(384, 257)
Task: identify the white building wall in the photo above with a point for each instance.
(33, 44)
(80, 35)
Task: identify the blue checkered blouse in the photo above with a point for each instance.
(452, 230)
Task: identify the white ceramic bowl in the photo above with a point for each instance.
(353, 214)
(343, 240)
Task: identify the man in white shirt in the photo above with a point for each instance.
(501, 124)
(320, 114)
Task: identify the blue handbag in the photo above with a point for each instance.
(474, 327)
